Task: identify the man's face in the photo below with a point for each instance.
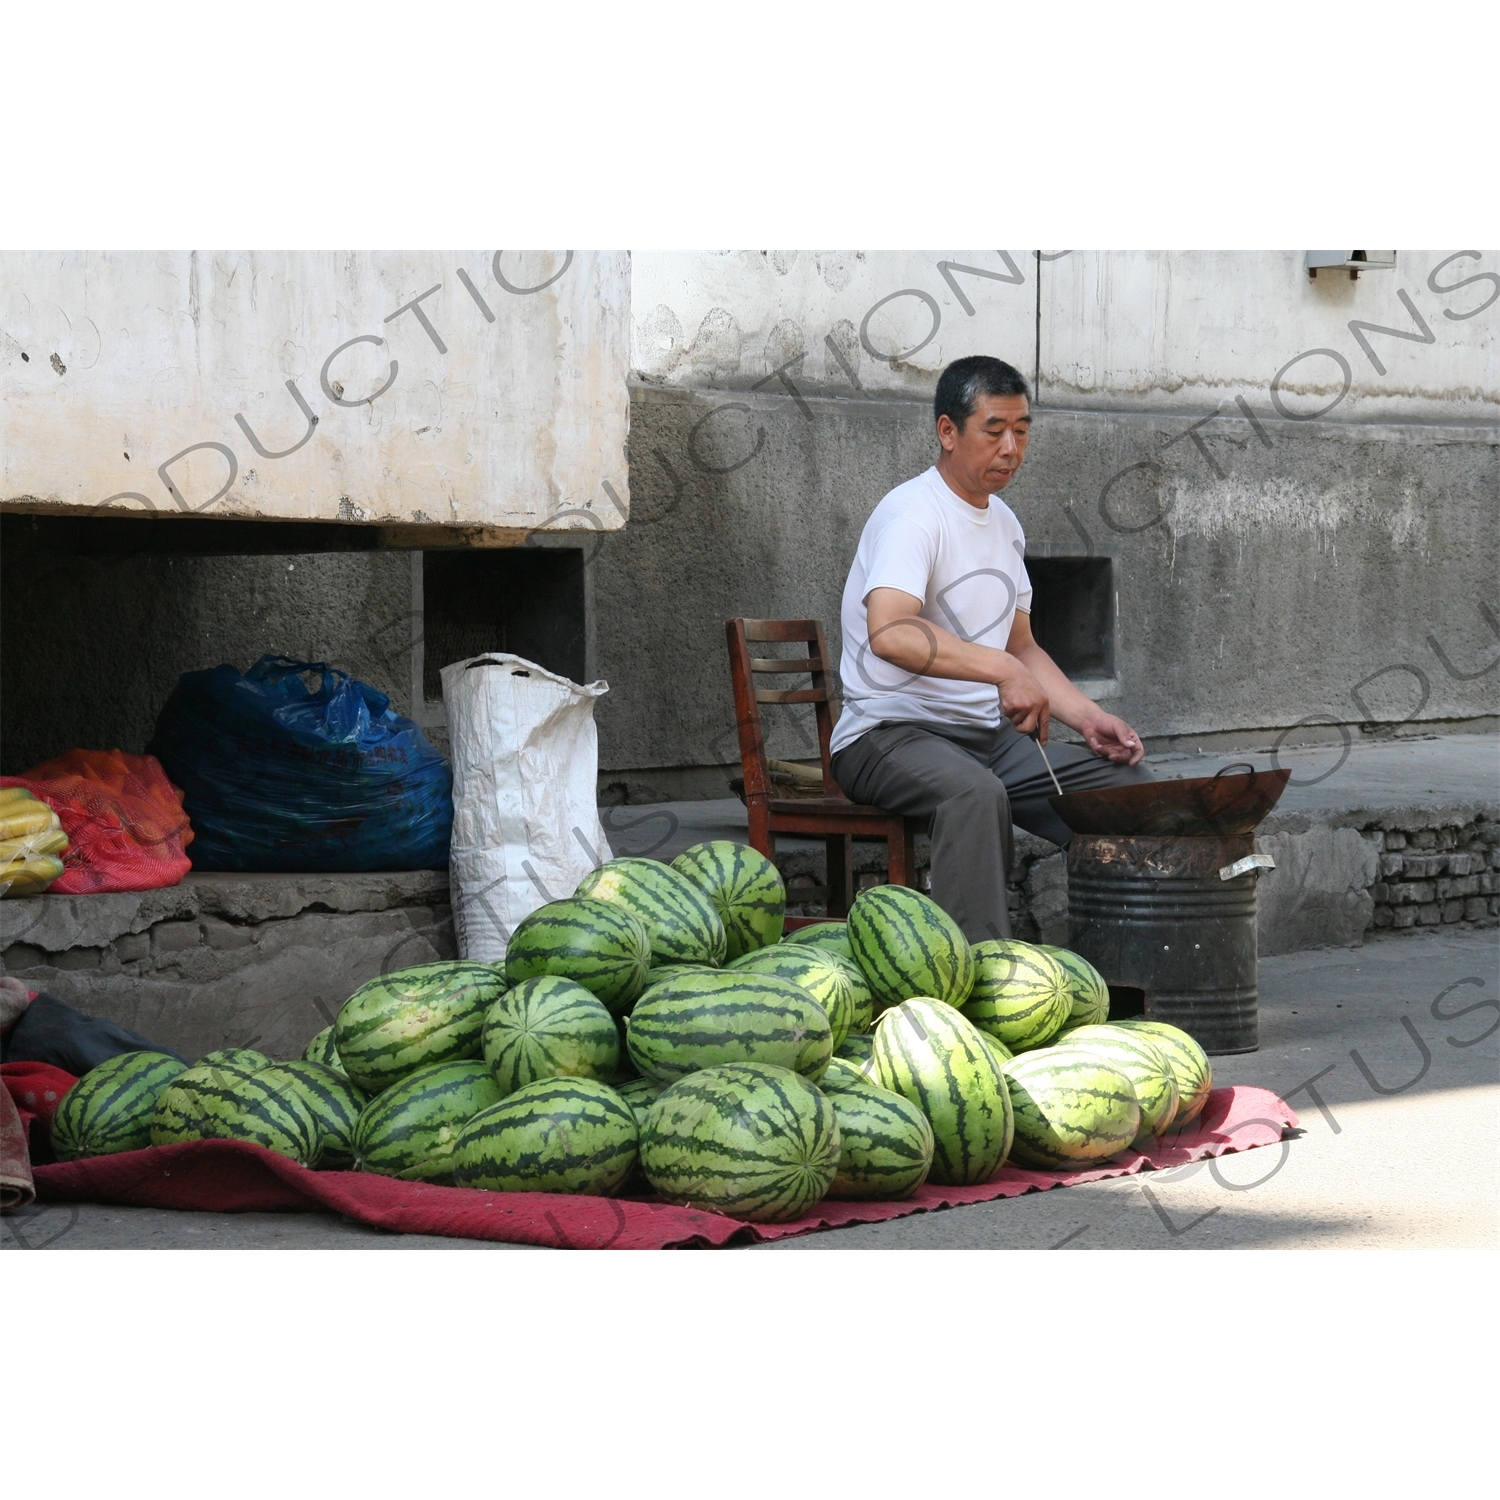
(989, 448)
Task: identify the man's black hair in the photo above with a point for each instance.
(961, 385)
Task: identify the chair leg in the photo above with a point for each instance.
(761, 837)
(899, 867)
(840, 874)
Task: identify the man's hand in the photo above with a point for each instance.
(1024, 703)
(1112, 738)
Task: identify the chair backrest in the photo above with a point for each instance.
(748, 697)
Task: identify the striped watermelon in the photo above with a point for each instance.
(998, 1050)
(702, 1020)
(1070, 1108)
(676, 971)
(864, 999)
(831, 935)
(111, 1107)
(1138, 1057)
(1021, 995)
(598, 944)
(220, 1102)
(332, 1101)
(410, 1130)
(548, 1028)
(755, 1142)
(928, 1053)
(1089, 992)
(680, 920)
(234, 1057)
(411, 1019)
(746, 889)
(322, 1050)
(858, 1046)
(908, 947)
(842, 1072)
(557, 1135)
(885, 1143)
(818, 972)
(640, 1094)
(1189, 1063)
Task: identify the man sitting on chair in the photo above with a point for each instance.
(941, 678)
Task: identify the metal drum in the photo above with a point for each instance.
(1152, 914)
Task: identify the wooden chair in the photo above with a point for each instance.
(831, 817)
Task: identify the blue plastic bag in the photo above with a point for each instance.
(277, 776)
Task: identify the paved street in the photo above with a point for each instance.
(1399, 1155)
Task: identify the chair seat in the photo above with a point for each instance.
(825, 807)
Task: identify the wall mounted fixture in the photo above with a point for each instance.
(1352, 261)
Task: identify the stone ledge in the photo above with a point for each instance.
(56, 924)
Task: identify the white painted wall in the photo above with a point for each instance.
(1131, 330)
(113, 364)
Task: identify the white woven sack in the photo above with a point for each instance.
(525, 809)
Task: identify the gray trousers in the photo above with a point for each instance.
(971, 784)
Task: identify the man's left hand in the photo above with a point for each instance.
(1112, 738)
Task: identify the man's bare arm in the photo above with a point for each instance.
(900, 636)
(1102, 732)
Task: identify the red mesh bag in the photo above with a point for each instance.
(124, 821)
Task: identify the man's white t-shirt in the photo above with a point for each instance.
(967, 566)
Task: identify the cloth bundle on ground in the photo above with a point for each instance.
(235, 1177)
(278, 775)
(124, 819)
(51, 1032)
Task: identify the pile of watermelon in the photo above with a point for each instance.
(654, 1032)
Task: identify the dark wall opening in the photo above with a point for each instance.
(1073, 612)
(99, 616)
(528, 601)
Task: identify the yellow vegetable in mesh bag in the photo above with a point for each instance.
(29, 877)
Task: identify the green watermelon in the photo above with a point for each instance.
(702, 1020)
(1022, 996)
(676, 971)
(640, 1094)
(1138, 1057)
(246, 1058)
(680, 920)
(1070, 1108)
(885, 1143)
(221, 1102)
(928, 1053)
(840, 1073)
(857, 1046)
(818, 972)
(111, 1107)
(1088, 991)
(548, 1028)
(322, 1050)
(411, 1019)
(864, 999)
(1190, 1066)
(332, 1101)
(998, 1050)
(746, 889)
(410, 1130)
(831, 935)
(598, 944)
(755, 1142)
(557, 1135)
(908, 947)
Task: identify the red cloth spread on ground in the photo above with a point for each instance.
(124, 821)
(233, 1177)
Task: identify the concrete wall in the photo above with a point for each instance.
(367, 387)
(1272, 568)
